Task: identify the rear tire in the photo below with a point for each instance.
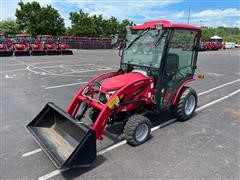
(137, 130)
(186, 104)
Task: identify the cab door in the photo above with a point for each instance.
(180, 63)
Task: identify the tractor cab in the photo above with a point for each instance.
(23, 39)
(162, 50)
(2, 38)
(46, 39)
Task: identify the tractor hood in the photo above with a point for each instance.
(117, 82)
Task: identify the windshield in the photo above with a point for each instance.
(46, 39)
(216, 40)
(2, 39)
(145, 51)
(27, 38)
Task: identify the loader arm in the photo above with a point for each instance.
(121, 101)
(75, 103)
(130, 97)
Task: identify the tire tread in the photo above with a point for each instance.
(130, 128)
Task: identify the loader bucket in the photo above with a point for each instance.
(67, 52)
(38, 53)
(22, 53)
(6, 53)
(53, 53)
(66, 143)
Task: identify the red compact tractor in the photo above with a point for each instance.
(50, 46)
(22, 44)
(158, 60)
(6, 48)
(37, 48)
(63, 46)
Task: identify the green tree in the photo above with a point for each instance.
(51, 22)
(207, 33)
(84, 24)
(227, 33)
(122, 27)
(34, 19)
(8, 27)
(81, 24)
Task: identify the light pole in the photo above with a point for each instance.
(189, 11)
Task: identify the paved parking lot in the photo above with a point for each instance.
(207, 146)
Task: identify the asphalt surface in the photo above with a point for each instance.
(205, 147)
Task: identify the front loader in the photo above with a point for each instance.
(158, 61)
(6, 48)
(22, 44)
(37, 48)
(63, 46)
(50, 47)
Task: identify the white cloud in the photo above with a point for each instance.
(137, 11)
(217, 13)
(8, 7)
(126, 9)
(217, 17)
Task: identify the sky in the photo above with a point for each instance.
(202, 12)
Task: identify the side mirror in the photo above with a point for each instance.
(120, 51)
(121, 47)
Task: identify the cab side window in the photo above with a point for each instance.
(181, 47)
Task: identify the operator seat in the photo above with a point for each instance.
(172, 64)
(171, 69)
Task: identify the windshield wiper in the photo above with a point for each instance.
(160, 38)
(140, 35)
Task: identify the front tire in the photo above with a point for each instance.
(186, 104)
(137, 130)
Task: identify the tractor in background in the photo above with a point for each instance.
(22, 44)
(158, 61)
(6, 47)
(50, 46)
(63, 46)
(214, 43)
(37, 48)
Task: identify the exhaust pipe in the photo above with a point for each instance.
(66, 143)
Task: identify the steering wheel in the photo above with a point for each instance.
(87, 90)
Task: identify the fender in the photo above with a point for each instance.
(180, 88)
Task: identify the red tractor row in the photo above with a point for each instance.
(205, 46)
(24, 44)
(214, 43)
